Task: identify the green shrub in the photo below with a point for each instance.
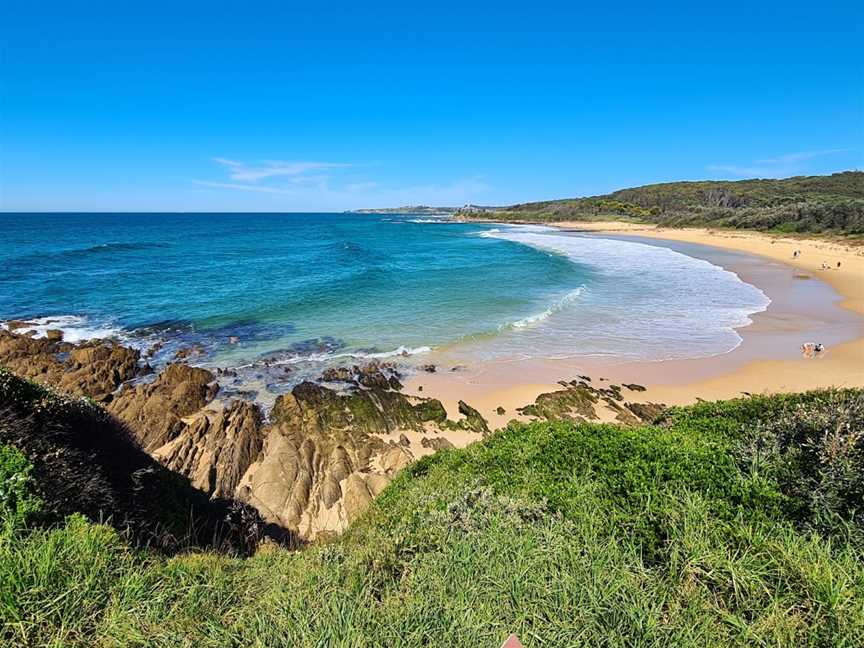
(686, 533)
(814, 451)
(19, 502)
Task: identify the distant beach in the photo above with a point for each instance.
(812, 299)
(487, 313)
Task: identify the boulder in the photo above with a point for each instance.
(94, 369)
(438, 443)
(155, 411)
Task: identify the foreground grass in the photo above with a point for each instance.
(729, 523)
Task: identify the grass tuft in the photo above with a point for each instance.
(702, 530)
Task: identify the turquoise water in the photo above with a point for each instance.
(302, 290)
(324, 281)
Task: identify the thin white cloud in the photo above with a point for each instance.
(791, 158)
(272, 169)
(242, 187)
(779, 166)
(302, 185)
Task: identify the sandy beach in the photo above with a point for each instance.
(813, 299)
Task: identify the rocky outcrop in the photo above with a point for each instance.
(579, 401)
(324, 458)
(85, 461)
(324, 453)
(312, 467)
(575, 403)
(99, 369)
(155, 411)
(437, 443)
(95, 369)
(473, 421)
(216, 448)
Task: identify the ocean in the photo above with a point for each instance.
(303, 291)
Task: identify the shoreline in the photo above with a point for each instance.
(324, 450)
(768, 360)
(807, 304)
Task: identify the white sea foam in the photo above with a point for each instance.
(642, 302)
(401, 351)
(76, 328)
(569, 298)
(325, 358)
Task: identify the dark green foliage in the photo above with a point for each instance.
(807, 204)
(85, 461)
(19, 503)
(699, 531)
(814, 451)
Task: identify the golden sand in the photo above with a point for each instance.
(758, 366)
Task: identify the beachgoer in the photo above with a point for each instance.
(809, 349)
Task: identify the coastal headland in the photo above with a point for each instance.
(314, 461)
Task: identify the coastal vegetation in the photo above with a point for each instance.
(735, 522)
(832, 204)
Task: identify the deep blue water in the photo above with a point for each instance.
(334, 281)
(301, 290)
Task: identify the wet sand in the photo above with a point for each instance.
(808, 304)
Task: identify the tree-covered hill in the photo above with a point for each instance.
(832, 204)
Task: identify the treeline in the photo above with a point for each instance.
(807, 204)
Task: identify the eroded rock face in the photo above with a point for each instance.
(155, 411)
(94, 369)
(312, 468)
(580, 402)
(323, 458)
(216, 448)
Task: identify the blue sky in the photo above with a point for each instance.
(327, 106)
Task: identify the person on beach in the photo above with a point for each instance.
(810, 349)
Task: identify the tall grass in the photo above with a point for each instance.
(568, 535)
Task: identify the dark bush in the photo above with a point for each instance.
(814, 450)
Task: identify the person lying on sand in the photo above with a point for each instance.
(809, 349)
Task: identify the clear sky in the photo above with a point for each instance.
(284, 106)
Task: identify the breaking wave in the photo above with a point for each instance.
(562, 303)
(75, 328)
